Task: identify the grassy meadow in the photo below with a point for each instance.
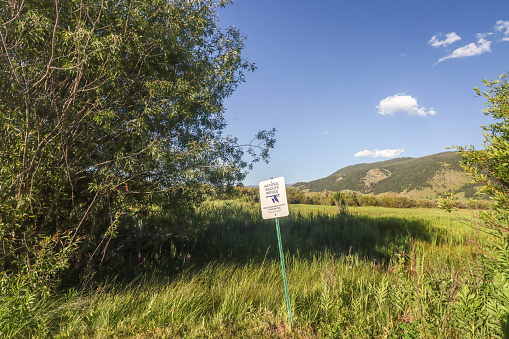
(373, 273)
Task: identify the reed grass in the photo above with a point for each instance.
(378, 273)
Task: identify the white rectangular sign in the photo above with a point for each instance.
(273, 198)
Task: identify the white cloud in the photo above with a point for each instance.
(450, 38)
(472, 49)
(483, 35)
(503, 26)
(402, 103)
(380, 153)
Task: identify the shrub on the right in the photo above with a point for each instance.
(490, 166)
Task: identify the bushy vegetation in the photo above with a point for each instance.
(109, 109)
(351, 198)
(490, 166)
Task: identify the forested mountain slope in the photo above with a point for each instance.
(422, 178)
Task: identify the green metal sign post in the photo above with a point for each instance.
(274, 205)
(282, 257)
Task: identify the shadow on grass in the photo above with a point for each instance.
(373, 238)
(236, 233)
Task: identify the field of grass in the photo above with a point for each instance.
(375, 273)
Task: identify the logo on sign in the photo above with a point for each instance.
(274, 197)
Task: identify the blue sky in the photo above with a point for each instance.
(347, 82)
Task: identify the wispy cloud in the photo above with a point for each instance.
(483, 35)
(503, 26)
(402, 103)
(438, 41)
(472, 49)
(380, 153)
(482, 46)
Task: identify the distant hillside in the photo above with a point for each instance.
(419, 178)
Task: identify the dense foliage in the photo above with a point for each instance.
(490, 165)
(107, 109)
(350, 199)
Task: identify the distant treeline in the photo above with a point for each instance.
(351, 198)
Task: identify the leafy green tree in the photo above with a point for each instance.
(340, 198)
(295, 196)
(490, 165)
(107, 108)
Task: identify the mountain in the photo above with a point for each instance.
(419, 178)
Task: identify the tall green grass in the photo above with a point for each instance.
(330, 297)
(378, 273)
